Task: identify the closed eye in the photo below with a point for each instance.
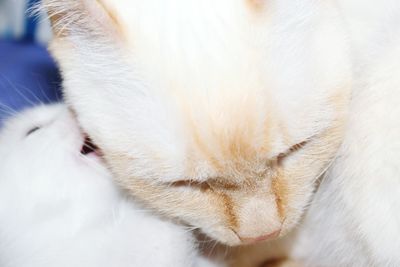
(32, 130)
(290, 151)
(202, 186)
(297, 146)
(210, 184)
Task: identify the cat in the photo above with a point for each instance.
(212, 112)
(226, 113)
(59, 206)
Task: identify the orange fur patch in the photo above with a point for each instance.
(280, 190)
(229, 210)
(235, 147)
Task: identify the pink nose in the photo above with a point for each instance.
(251, 240)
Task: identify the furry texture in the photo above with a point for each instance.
(61, 208)
(219, 113)
(354, 218)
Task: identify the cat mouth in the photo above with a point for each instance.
(89, 148)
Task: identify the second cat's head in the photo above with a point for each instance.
(45, 159)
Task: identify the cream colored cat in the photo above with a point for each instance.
(220, 113)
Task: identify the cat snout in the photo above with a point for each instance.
(258, 218)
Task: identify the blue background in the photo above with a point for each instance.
(28, 75)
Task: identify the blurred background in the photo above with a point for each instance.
(28, 74)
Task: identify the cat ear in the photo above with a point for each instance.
(81, 17)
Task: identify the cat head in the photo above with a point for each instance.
(44, 158)
(219, 113)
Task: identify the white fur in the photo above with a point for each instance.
(354, 219)
(60, 208)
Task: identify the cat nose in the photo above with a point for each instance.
(252, 240)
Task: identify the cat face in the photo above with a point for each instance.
(220, 113)
(42, 149)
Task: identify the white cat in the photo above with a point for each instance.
(59, 207)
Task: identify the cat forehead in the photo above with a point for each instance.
(16, 128)
(201, 21)
(37, 115)
(200, 52)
